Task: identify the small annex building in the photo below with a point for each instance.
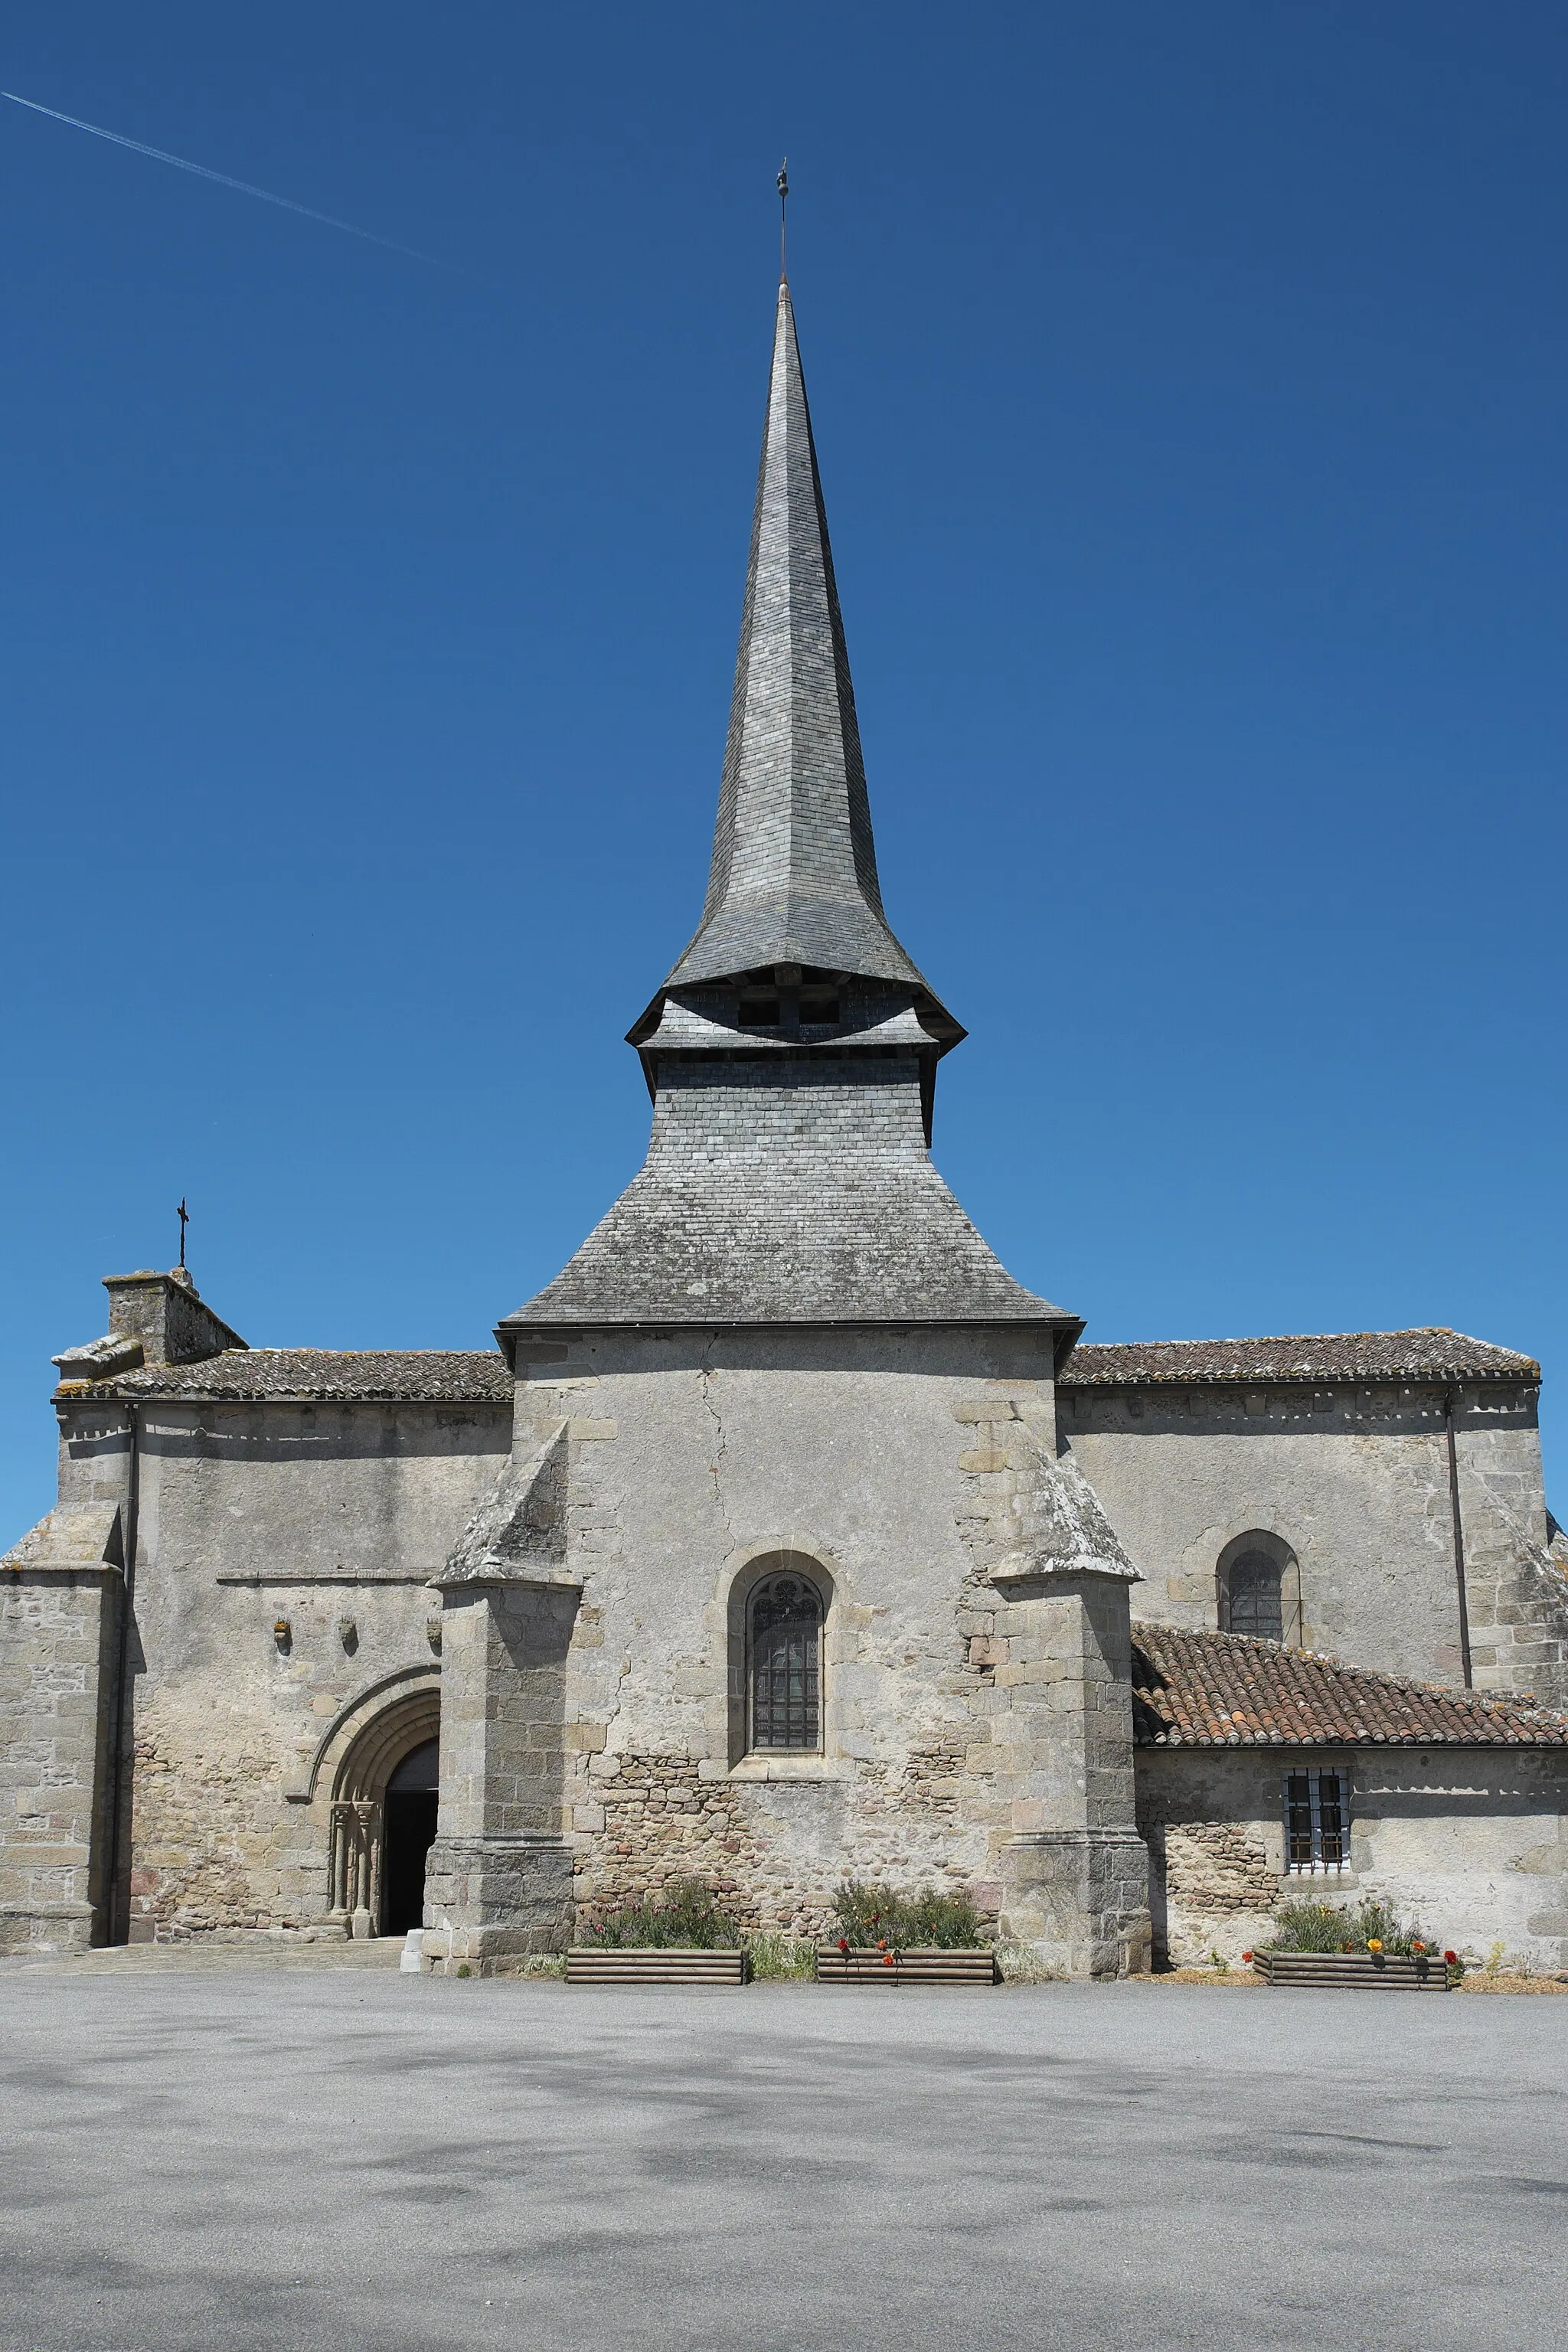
(784, 1536)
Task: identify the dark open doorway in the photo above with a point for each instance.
(409, 1818)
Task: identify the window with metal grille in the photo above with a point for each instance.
(1317, 1824)
(1252, 1597)
(786, 1678)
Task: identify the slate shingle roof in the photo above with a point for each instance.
(1426, 1354)
(1227, 1690)
(322, 1375)
(794, 875)
(800, 1194)
(479, 1376)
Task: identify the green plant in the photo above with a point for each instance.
(874, 1914)
(464, 1969)
(779, 1956)
(1219, 1964)
(1494, 1958)
(1307, 1926)
(688, 1917)
(1371, 1920)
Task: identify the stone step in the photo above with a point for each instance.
(204, 1954)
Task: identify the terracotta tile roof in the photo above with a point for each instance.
(1227, 1690)
(1422, 1355)
(320, 1376)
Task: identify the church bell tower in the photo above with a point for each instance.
(784, 1452)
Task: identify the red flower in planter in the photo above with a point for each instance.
(887, 1959)
(844, 1943)
(1246, 1959)
(1452, 1958)
(1416, 1945)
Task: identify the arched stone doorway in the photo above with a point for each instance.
(408, 1831)
(384, 1817)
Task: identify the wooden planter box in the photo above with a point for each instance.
(969, 1965)
(646, 1964)
(1358, 1971)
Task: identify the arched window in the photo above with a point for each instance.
(1252, 1597)
(784, 1662)
(1260, 1589)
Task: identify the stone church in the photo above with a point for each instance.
(784, 1536)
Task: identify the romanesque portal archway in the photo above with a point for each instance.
(383, 1819)
(408, 1830)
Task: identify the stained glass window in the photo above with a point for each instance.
(786, 1664)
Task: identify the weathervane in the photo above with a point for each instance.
(185, 1221)
(783, 201)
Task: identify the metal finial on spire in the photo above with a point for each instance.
(783, 203)
(185, 1221)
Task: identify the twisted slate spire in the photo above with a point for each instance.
(794, 878)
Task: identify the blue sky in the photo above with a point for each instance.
(1188, 387)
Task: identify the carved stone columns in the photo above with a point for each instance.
(354, 1865)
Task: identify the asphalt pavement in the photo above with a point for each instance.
(247, 2160)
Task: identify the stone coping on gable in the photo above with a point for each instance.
(1231, 1690)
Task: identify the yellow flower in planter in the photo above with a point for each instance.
(1373, 1944)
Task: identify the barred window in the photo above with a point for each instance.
(1317, 1824)
(785, 1675)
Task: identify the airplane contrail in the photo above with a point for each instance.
(182, 164)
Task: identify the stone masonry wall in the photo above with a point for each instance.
(1470, 1844)
(696, 1459)
(57, 1659)
(1217, 1867)
(328, 1519)
(1354, 1479)
(662, 1820)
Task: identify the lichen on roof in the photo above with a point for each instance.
(1231, 1690)
(319, 1376)
(1425, 1354)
